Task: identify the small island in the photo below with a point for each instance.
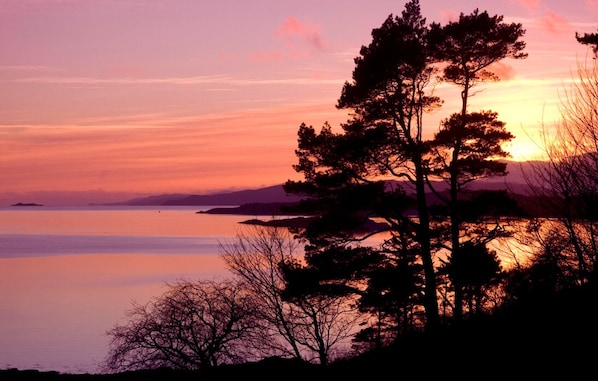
(254, 209)
(26, 204)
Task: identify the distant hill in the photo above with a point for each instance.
(26, 204)
(514, 182)
(272, 194)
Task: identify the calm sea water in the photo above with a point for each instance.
(67, 275)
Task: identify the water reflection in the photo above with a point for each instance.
(56, 307)
(55, 310)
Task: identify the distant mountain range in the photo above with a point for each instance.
(514, 182)
(271, 194)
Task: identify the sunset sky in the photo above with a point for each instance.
(104, 99)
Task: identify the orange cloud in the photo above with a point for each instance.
(267, 57)
(300, 40)
(310, 34)
(124, 71)
(297, 36)
(450, 16)
(503, 70)
(530, 4)
(554, 23)
(154, 154)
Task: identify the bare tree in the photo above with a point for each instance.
(193, 325)
(568, 184)
(306, 328)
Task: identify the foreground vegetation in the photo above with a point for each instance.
(551, 335)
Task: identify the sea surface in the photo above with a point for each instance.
(69, 274)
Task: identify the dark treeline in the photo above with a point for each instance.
(423, 291)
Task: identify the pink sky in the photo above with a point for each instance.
(99, 98)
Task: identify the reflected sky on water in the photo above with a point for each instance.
(67, 275)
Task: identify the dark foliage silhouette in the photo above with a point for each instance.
(389, 95)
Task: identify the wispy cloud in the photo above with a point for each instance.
(124, 71)
(529, 4)
(553, 23)
(21, 68)
(193, 80)
(504, 71)
(267, 56)
(292, 30)
(299, 39)
(450, 16)
(185, 152)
